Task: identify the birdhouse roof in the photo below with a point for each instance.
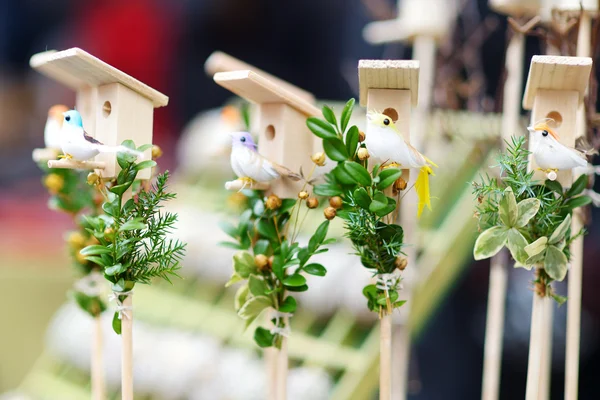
(388, 74)
(259, 89)
(557, 73)
(78, 69)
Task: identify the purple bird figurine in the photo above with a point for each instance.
(250, 167)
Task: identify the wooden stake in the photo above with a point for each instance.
(127, 350)
(385, 361)
(536, 348)
(576, 270)
(97, 365)
(270, 357)
(546, 339)
(282, 369)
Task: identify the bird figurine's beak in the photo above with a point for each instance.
(530, 129)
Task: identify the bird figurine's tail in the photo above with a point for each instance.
(422, 187)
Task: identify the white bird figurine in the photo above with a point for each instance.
(387, 146)
(250, 167)
(77, 144)
(53, 126)
(551, 155)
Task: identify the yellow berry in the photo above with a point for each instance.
(76, 240)
(318, 158)
(312, 202)
(363, 153)
(93, 178)
(303, 195)
(330, 213)
(54, 183)
(156, 152)
(361, 136)
(400, 184)
(80, 258)
(401, 263)
(262, 262)
(273, 202)
(336, 202)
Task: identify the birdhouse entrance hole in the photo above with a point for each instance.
(556, 119)
(392, 113)
(270, 132)
(106, 108)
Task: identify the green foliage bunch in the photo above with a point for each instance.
(367, 211)
(69, 193)
(529, 217)
(133, 246)
(271, 262)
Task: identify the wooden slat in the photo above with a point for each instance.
(78, 69)
(388, 74)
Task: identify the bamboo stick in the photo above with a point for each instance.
(385, 361)
(73, 164)
(282, 369)
(270, 356)
(97, 365)
(127, 349)
(576, 270)
(546, 362)
(536, 348)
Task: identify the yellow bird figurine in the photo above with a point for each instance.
(388, 148)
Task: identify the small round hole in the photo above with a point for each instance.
(270, 132)
(555, 119)
(392, 113)
(106, 108)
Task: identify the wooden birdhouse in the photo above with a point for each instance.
(517, 7)
(283, 136)
(114, 106)
(555, 89)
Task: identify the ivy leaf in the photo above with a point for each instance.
(243, 264)
(555, 263)
(346, 114)
(352, 141)
(289, 305)
(335, 149)
(577, 186)
(94, 250)
(526, 209)
(380, 202)
(358, 172)
(536, 247)
(241, 295)
(560, 231)
(361, 197)
(578, 201)
(507, 208)
(115, 270)
(254, 306)
(235, 277)
(387, 177)
(263, 337)
(516, 245)
(257, 286)
(315, 269)
(489, 242)
(329, 115)
(294, 280)
(321, 128)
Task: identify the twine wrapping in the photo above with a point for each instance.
(276, 330)
(121, 309)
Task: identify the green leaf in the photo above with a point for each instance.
(257, 286)
(346, 114)
(96, 260)
(555, 186)
(527, 209)
(318, 237)
(267, 229)
(244, 265)
(321, 128)
(335, 149)
(116, 323)
(507, 208)
(120, 189)
(229, 229)
(328, 190)
(361, 197)
(302, 288)
(94, 250)
(578, 201)
(235, 277)
(489, 242)
(115, 269)
(559, 299)
(329, 115)
(145, 164)
(536, 247)
(289, 305)
(315, 269)
(261, 247)
(358, 172)
(555, 263)
(294, 280)
(352, 141)
(387, 177)
(380, 202)
(578, 186)
(144, 147)
(132, 225)
(241, 295)
(516, 245)
(263, 337)
(560, 231)
(342, 176)
(253, 307)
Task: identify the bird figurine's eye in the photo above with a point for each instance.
(544, 133)
(242, 139)
(68, 118)
(386, 121)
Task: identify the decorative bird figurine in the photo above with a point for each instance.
(388, 148)
(77, 144)
(53, 126)
(551, 155)
(250, 167)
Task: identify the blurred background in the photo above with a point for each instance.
(315, 45)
